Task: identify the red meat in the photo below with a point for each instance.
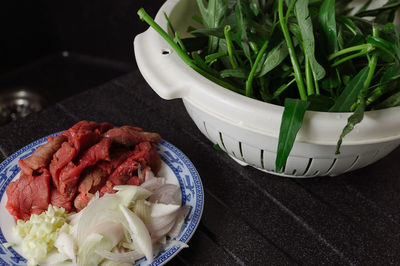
(69, 175)
(41, 157)
(130, 136)
(61, 200)
(60, 159)
(125, 171)
(87, 158)
(28, 195)
(84, 134)
(91, 181)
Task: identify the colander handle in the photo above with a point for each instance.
(161, 67)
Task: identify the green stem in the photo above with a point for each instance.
(289, 10)
(316, 87)
(217, 80)
(178, 40)
(372, 66)
(282, 88)
(309, 77)
(169, 23)
(292, 53)
(361, 47)
(347, 58)
(213, 57)
(145, 17)
(229, 44)
(372, 63)
(249, 82)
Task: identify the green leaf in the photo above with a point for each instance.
(328, 23)
(387, 82)
(292, 118)
(212, 17)
(274, 58)
(215, 32)
(306, 29)
(349, 95)
(236, 73)
(241, 35)
(319, 103)
(354, 119)
(387, 47)
(391, 101)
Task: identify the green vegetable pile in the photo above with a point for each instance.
(303, 54)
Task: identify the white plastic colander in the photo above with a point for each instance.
(248, 129)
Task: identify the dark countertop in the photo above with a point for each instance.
(249, 217)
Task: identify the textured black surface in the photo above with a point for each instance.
(250, 217)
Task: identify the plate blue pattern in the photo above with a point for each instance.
(181, 167)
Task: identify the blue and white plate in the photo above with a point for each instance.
(176, 167)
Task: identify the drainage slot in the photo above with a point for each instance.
(308, 166)
(355, 161)
(222, 141)
(332, 165)
(165, 51)
(241, 151)
(262, 159)
(205, 129)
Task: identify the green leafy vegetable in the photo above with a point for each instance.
(292, 119)
(349, 95)
(318, 51)
(328, 23)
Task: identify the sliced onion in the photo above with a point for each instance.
(149, 174)
(128, 257)
(142, 209)
(129, 194)
(98, 211)
(176, 229)
(54, 258)
(167, 193)
(153, 183)
(140, 235)
(65, 244)
(160, 209)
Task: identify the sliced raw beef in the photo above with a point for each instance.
(28, 195)
(61, 200)
(125, 171)
(89, 157)
(92, 180)
(42, 156)
(60, 159)
(84, 134)
(69, 175)
(130, 136)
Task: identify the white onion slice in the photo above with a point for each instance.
(128, 194)
(176, 229)
(168, 194)
(128, 257)
(160, 209)
(65, 244)
(153, 183)
(140, 235)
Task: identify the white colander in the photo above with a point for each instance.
(248, 129)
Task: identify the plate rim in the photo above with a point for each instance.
(168, 253)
